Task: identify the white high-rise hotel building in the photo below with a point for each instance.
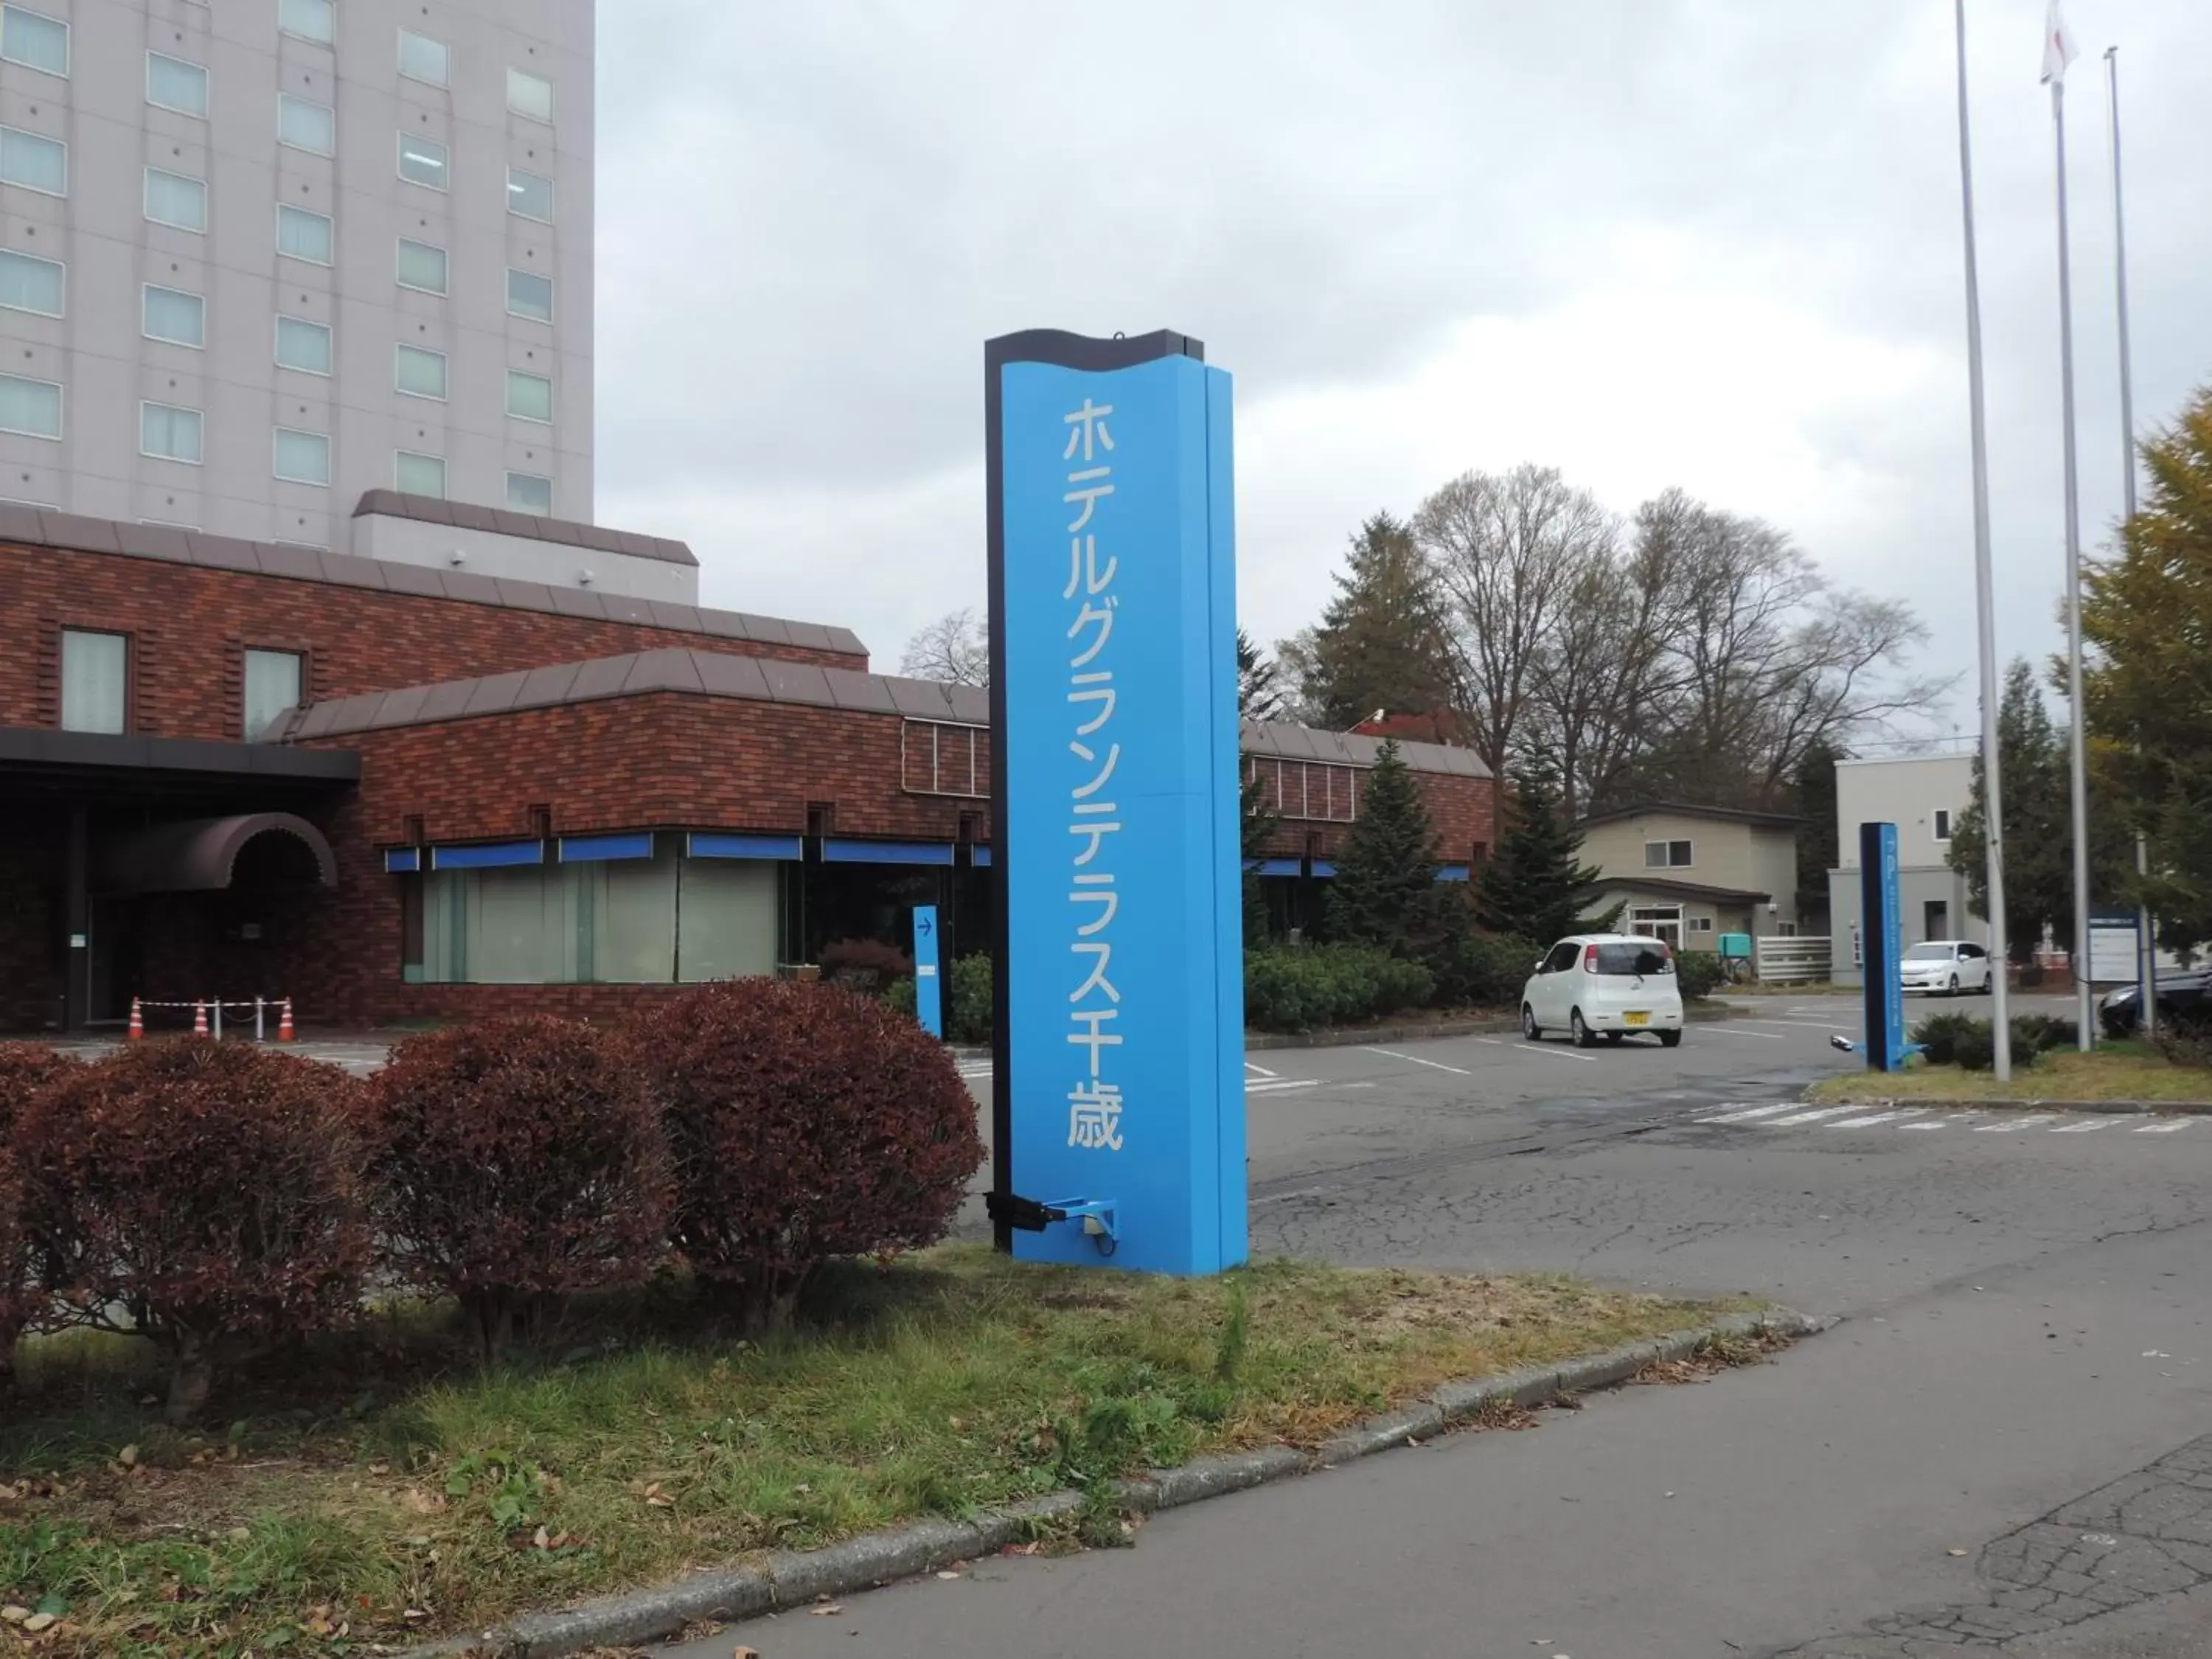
(257, 257)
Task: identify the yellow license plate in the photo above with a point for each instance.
(1638, 1016)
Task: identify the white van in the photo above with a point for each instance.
(1604, 984)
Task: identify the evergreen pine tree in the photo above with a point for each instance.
(1386, 877)
(1382, 643)
(1533, 888)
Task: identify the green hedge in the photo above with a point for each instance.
(1482, 971)
(967, 1000)
(1963, 1041)
(1699, 973)
(1299, 988)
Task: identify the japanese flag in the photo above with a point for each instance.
(2058, 47)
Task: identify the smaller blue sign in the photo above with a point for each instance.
(928, 1000)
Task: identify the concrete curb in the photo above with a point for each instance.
(2119, 1108)
(1492, 1025)
(793, 1578)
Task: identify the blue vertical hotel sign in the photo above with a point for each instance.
(1119, 1093)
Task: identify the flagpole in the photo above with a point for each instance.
(1984, 602)
(2077, 737)
(2147, 936)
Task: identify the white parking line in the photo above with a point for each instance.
(1795, 1025)
(1281, 1085)
(1415, 1060)
(1721, 1030)
(1258, 1071)
(1553, 1051)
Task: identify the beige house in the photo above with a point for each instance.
(1688, 874)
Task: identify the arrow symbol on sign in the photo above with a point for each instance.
(927, 926)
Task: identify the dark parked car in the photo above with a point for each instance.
(2183, 999)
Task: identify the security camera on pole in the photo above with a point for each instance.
(2059, 51)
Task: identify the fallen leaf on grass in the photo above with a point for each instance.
(13, 1614)
(39, 1621)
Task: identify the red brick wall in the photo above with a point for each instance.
(1462, 809)
(191, 624)
(663, 760)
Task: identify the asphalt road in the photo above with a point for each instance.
(2005, 1447)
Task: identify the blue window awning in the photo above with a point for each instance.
(590, 849)
(742, 846)
(887, 852)
(1324, 868)
(1279, 867)
(1452, 873)
(979, 857)
(488, 855)
(400, 860)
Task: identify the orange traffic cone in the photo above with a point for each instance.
(199, 1019)
(137, 1031)
(284, 1023)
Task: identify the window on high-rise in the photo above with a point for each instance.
(95, 680)
(303, 124)
(420, 373)
(34, 39)
(302, 457)
(527, 493)
(31, 407)
(529, 195)
(423, 162)
(172, 83)
(275, 685)
(33, 162)
(303, 235)
(303, 345)
(528, 295)
(529, 397)
(418, 475)
(421, 59)
(311, 20)
(173, 199)
(170, 314)
(169, 434)
(422, 266)
(28, 284)
(528, 95)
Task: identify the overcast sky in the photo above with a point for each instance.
(1711, 243)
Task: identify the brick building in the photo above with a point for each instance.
(391, 789)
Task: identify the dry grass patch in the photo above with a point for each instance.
(2126, 1073)
(393, 1493)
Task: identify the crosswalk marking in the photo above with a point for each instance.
(1743, 1113)
(2083, 1128)
(2165, 1128)
(1817, 1114)
(1859, 1123)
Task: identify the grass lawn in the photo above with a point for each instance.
(2123, 1070)
(378, 1488)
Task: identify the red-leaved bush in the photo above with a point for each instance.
(517, 1161)
(204, 1195)
(807, 1122)
(24, 1069)
(864, 964)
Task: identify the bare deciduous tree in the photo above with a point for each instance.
(1508, 552)
(955, 649)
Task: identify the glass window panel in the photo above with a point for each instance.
(422, 266)
(175, 84)
(272, 688)
(728, 920)
(303, 235)
(32, 285)
(33, 407)
(95, 680)
(527, 493)
(311, 20)
(34, 39)
(34, 162)
(420, 373)
(529, 397)
(173, 199)
(507, 941)
(303, 457)
(170, 433)
(303, 345)
(421, 59)
(305, 124)
(528, 94)
(419, 475)
(530, 194)
(171, 314)
(633, 925)
(423, 162)
(528, 295)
